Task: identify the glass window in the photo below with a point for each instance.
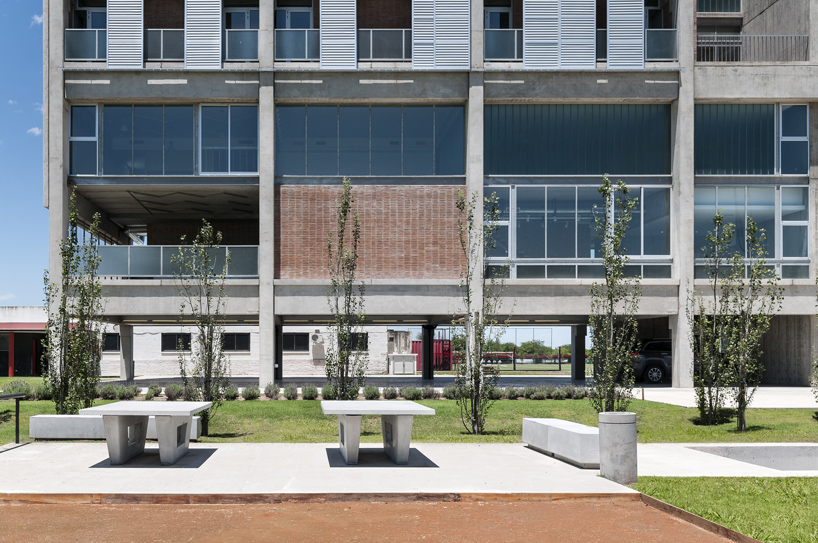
(418, 141)
(111, 343)
(761, 208)
(794, 121)
(244, 139)
(530, 272)
(147, 140)
(561, 222)
(386, 141)
(500, 238)
(656, 208)
(530, 222)
(174, 342)
(236, 342)
(117, 140)
(449, 141)
(215, 138)
(589, 203)
(354, 141)
(83, 122)
(795, 241)
(503, 201)
(794, 203)
(322, 141)
(179, 140)
(794, 157)
(229, 139)
(296, 342)
(734, 139)
(83, 141)
(632, 243)
(704, 209)
(291, 140)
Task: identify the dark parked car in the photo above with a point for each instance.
(653, 363)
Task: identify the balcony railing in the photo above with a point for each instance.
(86, 44)
(241, 45)
(661, 44)
(386, 44)
(165, 44)
(297, 44)
(718, 6)
(503, 44)
(155, 261)
(601, 44)
(752, 48)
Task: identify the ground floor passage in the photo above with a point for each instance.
(21, 353)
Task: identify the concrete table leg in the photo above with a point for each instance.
(125, 436)
(397, 434)
(173, 435)
(349, 437)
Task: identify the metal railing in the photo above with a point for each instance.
(165, 44)
(297, 44)
(156, 261)
(718, 6)
(503, 44)
(752, 48)
(601, 44)
(384, 44)
(241, 44)
(661, 44)
(86, 44)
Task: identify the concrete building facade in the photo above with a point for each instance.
(248, 113)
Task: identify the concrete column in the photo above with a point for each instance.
(266, 34)
(578, 334)
(266, 224)
(474, 173)
(126, 363)
(278, 373)
(813, 32)
(428, 351)
(477, 50)
(682, 113)
(617, 447)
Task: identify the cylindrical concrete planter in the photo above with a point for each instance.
(617, 447)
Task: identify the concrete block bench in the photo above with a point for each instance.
(87, 427)
(569, 441)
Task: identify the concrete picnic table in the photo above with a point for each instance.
(396, 425)
(126, 425)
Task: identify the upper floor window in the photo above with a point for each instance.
(377, 140)
(295, 16)
(82, 140)
(297, 342)
(236, 342)
(751, 139)
(229, 136)
(95, 18)
(175, 342)
(240, 18)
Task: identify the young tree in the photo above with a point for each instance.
(478, 324)
(73, 346)
(346, 362)
(201, 278)
(613, 304)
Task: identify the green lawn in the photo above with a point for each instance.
(302, 421)
(773, 510)
(33, 381)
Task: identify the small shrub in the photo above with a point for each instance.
(372, 393)
(309, 392)
(528, 392)
(559, 393)
(107, 392)
(580, 393)
(18, 387)
(329, 392)
(412, 393)
(42, 392)
(231, 393)
(190, 393)
(271, 391)
(539, 393)
(401, 391)
(154, 390)
(495, 393)
(390, 393)
(569, 391)
(251, 393)
(173, 392)
(549, 392)
(511, 393)
(430, 393)
(128, 392)
(291, 392)
(450, 392)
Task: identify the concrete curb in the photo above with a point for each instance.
(696, 520)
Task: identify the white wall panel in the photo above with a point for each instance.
(339, 40)
(203, 34)
(125, 34)
(541, 33)
(578, 34)
(626, 34)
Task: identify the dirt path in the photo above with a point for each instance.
(564, 522)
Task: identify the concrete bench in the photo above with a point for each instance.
(87, 427)
(569, 441)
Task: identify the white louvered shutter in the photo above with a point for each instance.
(452, 26)
(125, 34)
(578, 34)
(203, 34)
(339, 29)
(423, 34)
(626, 34)
(541, 33)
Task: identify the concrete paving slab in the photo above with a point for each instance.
(297, 468)
(767, 397)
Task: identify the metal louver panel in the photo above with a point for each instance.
(125, 34)
(339, 35)
(578, 34)
(423, 34)
(626, 34)
(203, 34)
(541, 33)
(452, 25)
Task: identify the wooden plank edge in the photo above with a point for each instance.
(547, 496)
(696, 520)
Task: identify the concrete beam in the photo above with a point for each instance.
(581, 87)
(728, 83)
(318, 87)
(164, 86)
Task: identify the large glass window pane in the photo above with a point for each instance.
(418, 141)
(561, 205)
(761, 208)
(562, 272)
(632, 243)
(794, 157)
(735, 139)
(290, 141)
(179, 140)
(322, 141)
(354, 143)
(794, 203)
(386, 141)
(300, 19)
(244, 138)
(83, 158)
(500, 238)
(589, 203)
(503, 199)
(530, 222)
(117, 137)
(795, 241)
(83, 122)
(794, 272)
(793, 121)
(234, 19)
(704, 209)
(731, 204)
(449, 141)
(147, 140)
(214, 138)
(530, 272)
(656, 207)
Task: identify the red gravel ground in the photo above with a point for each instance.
(584, 521)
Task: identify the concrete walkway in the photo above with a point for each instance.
(769, 397)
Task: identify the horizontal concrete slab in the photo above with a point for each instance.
(162, 86)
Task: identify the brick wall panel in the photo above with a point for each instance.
(164, 14)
